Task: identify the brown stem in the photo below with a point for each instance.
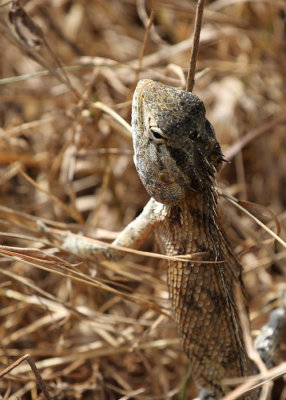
(32, 364)
(146, 38)
(195, 48)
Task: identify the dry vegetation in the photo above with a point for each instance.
(97, 329)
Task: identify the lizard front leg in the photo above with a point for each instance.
(132, 236)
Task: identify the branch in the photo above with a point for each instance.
(195, 48)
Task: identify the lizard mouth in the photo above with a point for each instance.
(165, 179)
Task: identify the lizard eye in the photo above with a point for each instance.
(156, 134)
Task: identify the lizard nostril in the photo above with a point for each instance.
(166, 179)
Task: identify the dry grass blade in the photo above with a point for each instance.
(257, 381)
(252, 135)
(258, 222)
(91, 247)
(73, 213)
(103, 107)
(22, 46)
(60, 269)
(32, 36)
(251, 351)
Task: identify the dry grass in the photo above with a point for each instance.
(97, 329)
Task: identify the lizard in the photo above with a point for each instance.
(177, 156)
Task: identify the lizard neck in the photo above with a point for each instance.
(191, 226)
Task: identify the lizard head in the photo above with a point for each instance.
(175, 147)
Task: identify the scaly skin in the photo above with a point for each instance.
(176, 156)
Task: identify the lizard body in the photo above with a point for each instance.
(176, 155)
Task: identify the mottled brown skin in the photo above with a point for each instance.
(176, 156)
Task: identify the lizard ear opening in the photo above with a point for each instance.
(194, 135)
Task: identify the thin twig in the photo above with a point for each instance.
(251, 351)
(255, 381)
(76, 215)
(195, 48)
(253, 134)
(146, 38)
(113, 114)
(236, 204)
(30, 52)
(32, 364)
(88, 247)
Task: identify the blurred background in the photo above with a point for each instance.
(99, 329)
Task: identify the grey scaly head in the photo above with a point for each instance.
(175, 147)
